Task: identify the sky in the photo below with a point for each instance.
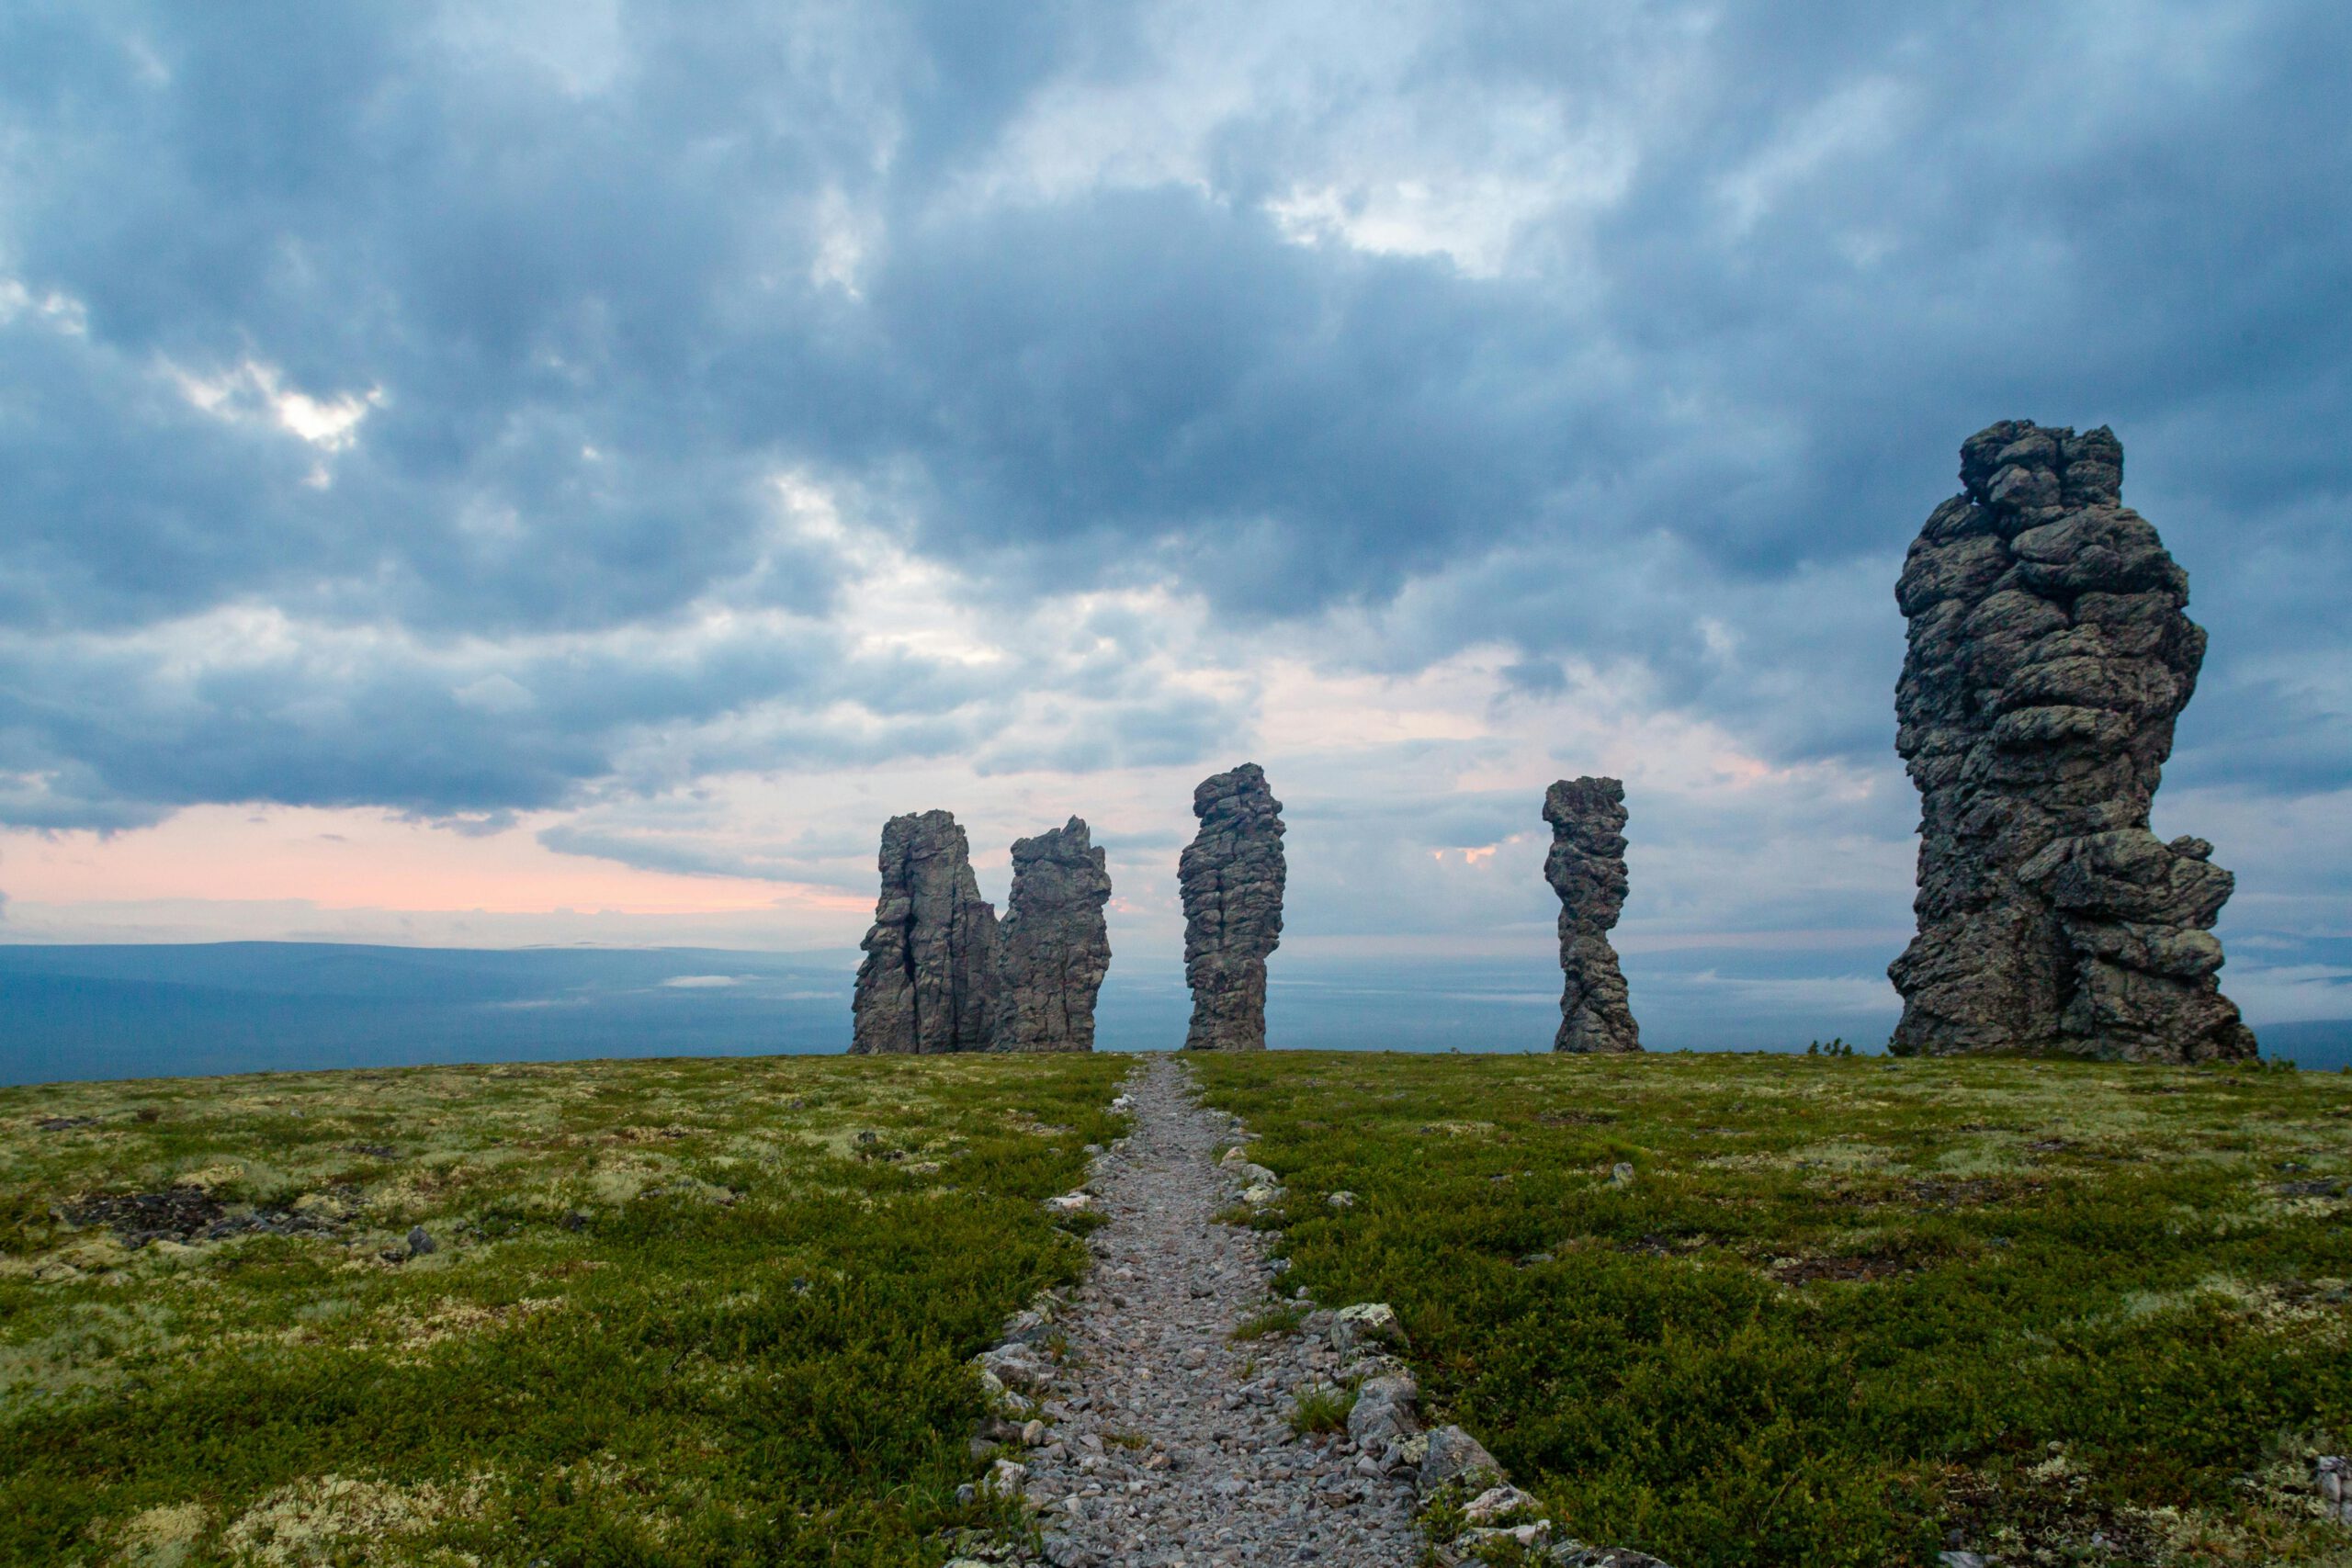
(560, 473)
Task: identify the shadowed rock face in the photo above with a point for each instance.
(1054, 948)
(2048, 659)
(1232, 876)
(928, 981)
(1587, 869)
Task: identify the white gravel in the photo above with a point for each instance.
(1218, 1478)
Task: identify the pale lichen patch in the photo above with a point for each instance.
(162, 1537)
(315, 1521)
(412, 1329)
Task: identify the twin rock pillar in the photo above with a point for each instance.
(2050, 655)
(942, 974)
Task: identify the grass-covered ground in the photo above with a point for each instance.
(1851, 1310)
(674, 1312)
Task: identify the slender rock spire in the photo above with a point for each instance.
(1587, 869)
(1052, 946)
(1232, 876)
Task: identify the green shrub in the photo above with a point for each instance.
(1282, 1319)
(672, 1315)
(1321, 1408)
(1838, 1315)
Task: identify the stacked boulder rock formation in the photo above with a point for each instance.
(2050, 655)
(928, 981)
(1587, 869)
(1232, 876)
(1053, 947)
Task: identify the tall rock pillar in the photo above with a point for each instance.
(2050, 655)
(1587, 869)
(1052, 946)
(928, 982)
(1232, 876)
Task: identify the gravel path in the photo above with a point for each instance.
(1166, 1442)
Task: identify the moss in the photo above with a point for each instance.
(1845, 1306)
(668, 1315)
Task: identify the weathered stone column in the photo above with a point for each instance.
(928, 981)
(1232, 876)
(1052, 946)
(2050, 655)
(1587, 869)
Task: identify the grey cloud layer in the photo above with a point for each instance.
(602, 286)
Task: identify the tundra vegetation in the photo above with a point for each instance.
(653, 1312)
(1833, 1309)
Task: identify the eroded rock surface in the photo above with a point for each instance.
(1232, 876)
(1052, 945)
(2050, 655)
(1587, 869)
(929, 979)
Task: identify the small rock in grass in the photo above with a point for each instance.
(1004, 1478)
(1260, 1193)
(1383, 1410)
(1454, 1455)
(1498, 1504)
(2332, 1474)
(1369, 1365)
(1530, 1538)
(1027, 1326)
(420, 1242)
(1366, 1325)
(1073, 1203)
(1621, 1175)
(1016, 1367)
(1343, 1200)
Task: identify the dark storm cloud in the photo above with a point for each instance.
(583, 303)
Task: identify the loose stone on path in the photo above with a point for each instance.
(1164, 1440)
